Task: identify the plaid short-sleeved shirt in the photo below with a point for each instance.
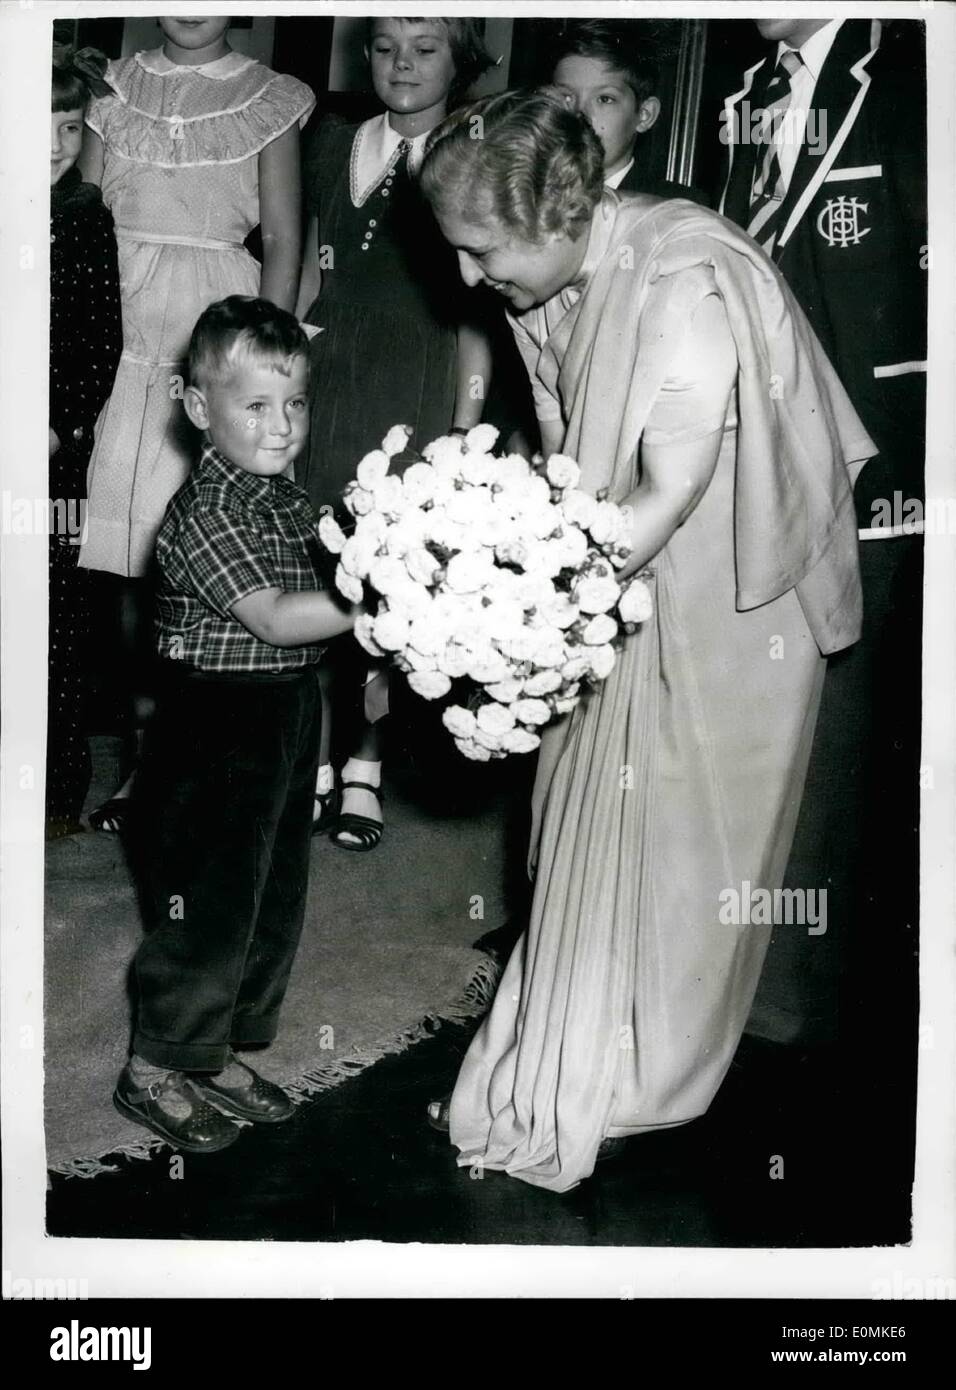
(228, 534)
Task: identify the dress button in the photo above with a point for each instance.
(364, 245)
(384, 192)
(372, 222)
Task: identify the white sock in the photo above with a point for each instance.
(355, 770)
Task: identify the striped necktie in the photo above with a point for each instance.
(768, 188)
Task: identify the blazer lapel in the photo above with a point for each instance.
(839, 95)
(740, 155)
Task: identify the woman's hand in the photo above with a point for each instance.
(674, 479)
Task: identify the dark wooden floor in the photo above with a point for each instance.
(358, 1162)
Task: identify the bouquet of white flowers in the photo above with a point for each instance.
(488, 570)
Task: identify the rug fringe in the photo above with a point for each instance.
(474, 1000)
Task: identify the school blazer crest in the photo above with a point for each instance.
(852, 234)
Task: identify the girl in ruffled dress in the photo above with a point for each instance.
(199, 145)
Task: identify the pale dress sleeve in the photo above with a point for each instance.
(697, 396)
(546, 406)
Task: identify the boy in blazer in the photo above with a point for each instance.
(839, 202)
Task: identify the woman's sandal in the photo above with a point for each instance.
(329, 802)
(112, 816)
(438, 1113)
(366, 830)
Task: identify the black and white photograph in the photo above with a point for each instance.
(478, 767)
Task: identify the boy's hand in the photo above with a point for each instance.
(295, 618)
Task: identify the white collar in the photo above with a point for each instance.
(375, 152)
(154, 60)
(816, 49)
(617, 179)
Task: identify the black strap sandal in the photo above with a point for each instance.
(329, 813)
(112, 817)
(367, 831)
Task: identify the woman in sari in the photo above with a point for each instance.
(668, 357)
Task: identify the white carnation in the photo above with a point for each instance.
(477, 469)
(600, 629)
(468, 573)
(635, 605)
(576, 666)
(420, 661)
(490, 741)
(579, 508)
(431, 685)
(544, 683)
(520, 741)
(348, 585)
(389, 496)
(596, 594)
(396, 440)
(572, 546)
(562, 471)
(531, 711)
(506, 692)
(560, 612)
(372, 527)
(419, 483)
(602, 662)
(487, 667)
(495, 719)
(387, 574)
(608, 526)
(331, 534)
(390, 631)
(372, 470)
(363, 635)
(445, 454)
(453, 659)
(421, 565)
(510, 472)
(473, 750)
(358, 500)
(459, 721)
(481, 439)
(358, 554)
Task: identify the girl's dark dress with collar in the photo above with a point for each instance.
(86, 339)
(389, 308)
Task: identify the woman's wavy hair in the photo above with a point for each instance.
(467, 43)
(78, 75)
(524, 157)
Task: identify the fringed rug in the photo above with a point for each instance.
(386, 953)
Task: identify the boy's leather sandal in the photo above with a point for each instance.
(203, 1130)
(253, 1099)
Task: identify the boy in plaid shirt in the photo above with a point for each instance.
(226, 792)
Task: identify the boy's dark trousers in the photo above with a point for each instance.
(225, 814)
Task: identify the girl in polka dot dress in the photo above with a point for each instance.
(397, 345)
(198, 145)
(85, 344)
